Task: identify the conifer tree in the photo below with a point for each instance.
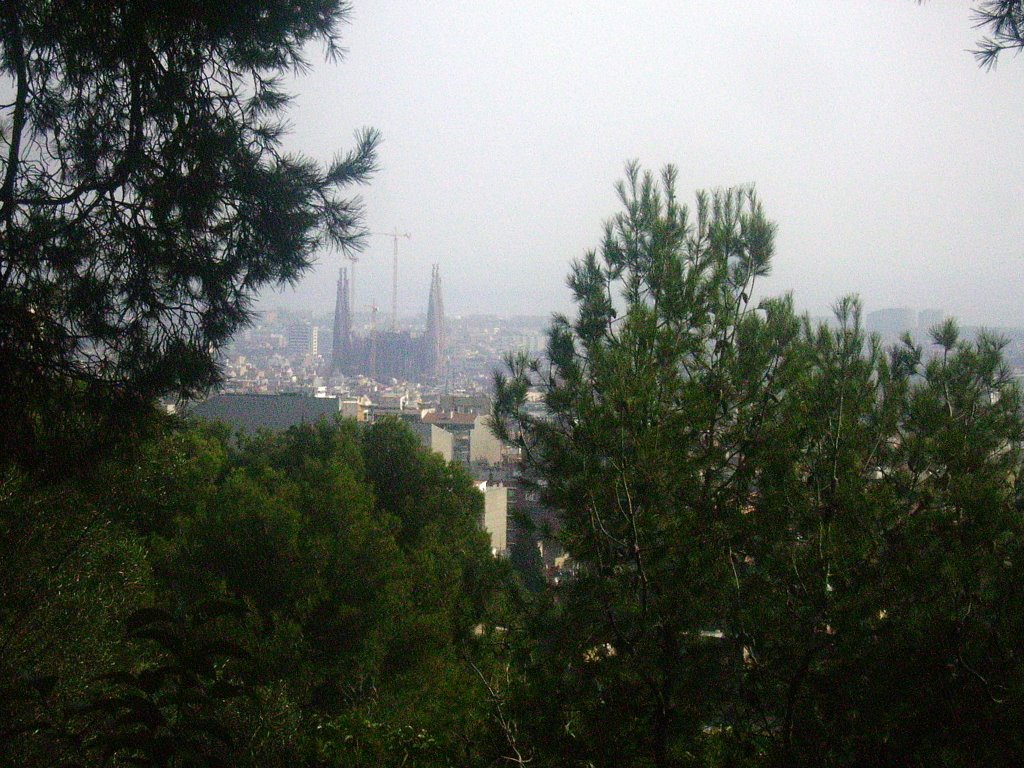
(655, 391)
(794, 546)
(145, 194)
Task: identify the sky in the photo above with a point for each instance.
(892, 165)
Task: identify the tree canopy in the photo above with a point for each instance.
(794, 546)
(275, 600)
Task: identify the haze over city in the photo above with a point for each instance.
(874, 140)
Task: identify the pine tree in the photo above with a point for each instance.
(794, 546)
(145, 196)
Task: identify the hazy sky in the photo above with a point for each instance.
(893, 166)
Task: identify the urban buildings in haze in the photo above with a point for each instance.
(389, 354)
(892, 322)
(303, 339)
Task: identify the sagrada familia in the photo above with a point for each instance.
(390, 354)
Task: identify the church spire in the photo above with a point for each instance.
(434, 336)
(342, 341)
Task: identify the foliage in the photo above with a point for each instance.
(365, 592)
(69, 577)
(145, 197)
(1003, 21)
(356, 740)
(794, 548)
(645, 409)
(353, 613)
(172, 710)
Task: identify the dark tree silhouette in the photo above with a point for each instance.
(145, 196)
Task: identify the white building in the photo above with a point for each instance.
(303, 339)
(484, 447)
(438, 440)
(496, 516)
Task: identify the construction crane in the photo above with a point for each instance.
(394, 273)
(373, 341)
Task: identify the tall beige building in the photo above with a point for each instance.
(484, 447)
(496, 516)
